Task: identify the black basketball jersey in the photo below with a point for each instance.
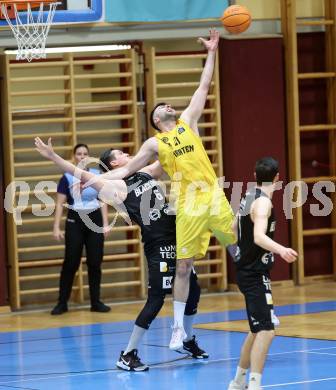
(147, 207)
(249, 255)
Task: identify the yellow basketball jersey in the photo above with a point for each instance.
(181, 152)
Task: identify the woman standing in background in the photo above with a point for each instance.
(78, 233)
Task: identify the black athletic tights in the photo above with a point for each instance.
(78, 235)
(155, 302)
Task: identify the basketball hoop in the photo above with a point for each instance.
(30, 27)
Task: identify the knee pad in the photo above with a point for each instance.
(150, 310)
(193, 297)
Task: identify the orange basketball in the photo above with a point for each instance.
(236, 19)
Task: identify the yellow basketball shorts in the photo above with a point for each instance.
(194, 225)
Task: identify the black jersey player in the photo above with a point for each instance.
(255, 225)
(144, 201)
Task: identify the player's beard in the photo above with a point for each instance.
(168, 117)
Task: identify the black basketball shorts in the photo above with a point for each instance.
(161, 260)
(256, 288)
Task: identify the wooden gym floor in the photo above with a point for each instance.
(318, 292)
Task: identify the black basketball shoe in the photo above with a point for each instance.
(59, 309)
(192, 347)
(100, 307)
(131, 361)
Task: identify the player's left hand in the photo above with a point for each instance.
(212, 43)
(46, 150)
(288, 254)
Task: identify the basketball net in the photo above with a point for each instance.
(31, 31)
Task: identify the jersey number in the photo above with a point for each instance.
(176, 141)
(158, 194)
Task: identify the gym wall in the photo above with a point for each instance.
(317, 248)
(314, 146)
(253, 119)
(270, 9)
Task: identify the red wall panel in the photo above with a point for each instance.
(314, 146)
(253, 119)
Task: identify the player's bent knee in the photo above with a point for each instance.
(267, 334)
(183, 268)
(151, 309)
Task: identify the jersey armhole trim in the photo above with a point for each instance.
(270, 208)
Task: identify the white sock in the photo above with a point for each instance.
(179, 308)
(255, 381)
(136, 336)
(188, 326)
(240, 377)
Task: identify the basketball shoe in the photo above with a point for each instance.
(131, 361)
(178, 335)
(236, 386)
(192, 347)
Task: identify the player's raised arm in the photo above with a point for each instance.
(261, 210)
(47, 151)
(193, 112)
(146, 153)
(115, 193)
(155, 170)
(112, 192)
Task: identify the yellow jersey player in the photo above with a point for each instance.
(201, 205)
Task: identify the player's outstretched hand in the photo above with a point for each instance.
(46, 150)
(212, 43)
(288, 254)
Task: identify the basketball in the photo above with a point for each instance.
(236, 19)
